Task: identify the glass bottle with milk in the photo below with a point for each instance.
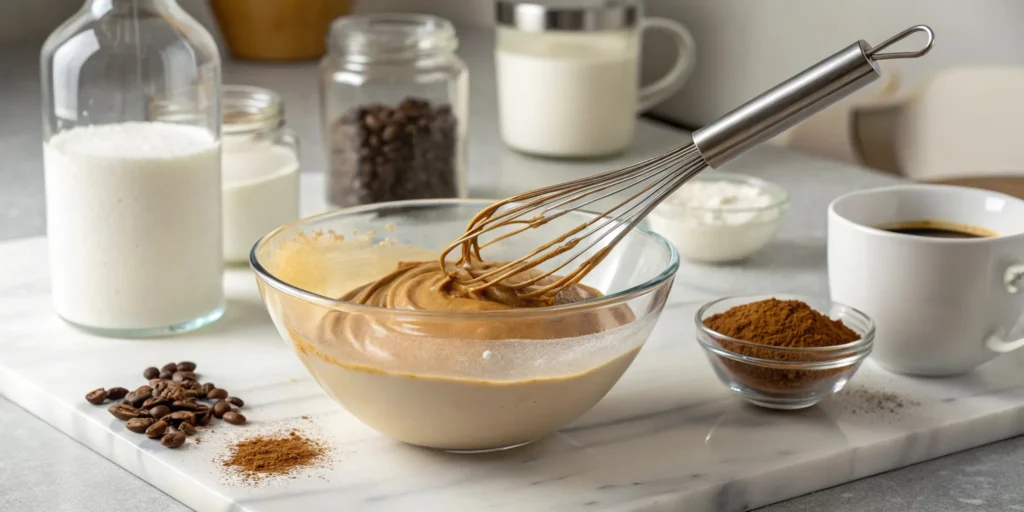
(132, 160)
(568, 74)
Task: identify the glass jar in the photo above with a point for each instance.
(132, 158)
(395, 105)
(260, 168)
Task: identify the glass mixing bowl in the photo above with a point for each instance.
(505, 378)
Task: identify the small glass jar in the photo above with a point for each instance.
(260, 168)
(132, 161)
(395, 105)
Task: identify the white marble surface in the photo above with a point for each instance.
(668, 436)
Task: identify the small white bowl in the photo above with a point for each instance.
(720, 234)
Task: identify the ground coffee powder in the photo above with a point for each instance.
(282, 453)
(770, 326)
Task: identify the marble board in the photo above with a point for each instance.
(669, 436)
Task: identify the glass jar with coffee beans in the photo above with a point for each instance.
(395, 103)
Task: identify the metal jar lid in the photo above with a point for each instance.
(567, 15)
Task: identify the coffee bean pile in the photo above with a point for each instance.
(383, 153)
(169, 407)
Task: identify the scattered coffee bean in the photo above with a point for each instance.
(187, 428)
(234, 418)
(182, 405)
(96, 396)
(116, 393)
(180, 416)
(153, 401)
(384, 153)
(220, 408)
(123, 411)
(139, 396)
(173, 440)
(205, 418)
(156, 430)
(159, 411)
(139, 425)
(168, 408)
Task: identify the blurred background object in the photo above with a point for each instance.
(277, 29)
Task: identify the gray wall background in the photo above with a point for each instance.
(745, 46)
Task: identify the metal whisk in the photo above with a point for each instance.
(653, 180)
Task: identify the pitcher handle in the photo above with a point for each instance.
(674, 79)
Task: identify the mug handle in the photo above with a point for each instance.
(1013, 278)
(674, 79)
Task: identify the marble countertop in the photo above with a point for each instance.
(41, 469)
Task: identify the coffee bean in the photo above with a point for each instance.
(96, 396)
(179, 416)
(116, 393)
(383, 153)
(153, 383)
(139, 425)
(181, 405)
(123, 411)
(156, 430)
(204, 418)
(208, 387)
(150, 373)
(154, 401)
(235, 401)
(186, 366)
(144, 413)
(187, 428)
(234, 418)
(166, 375)
(159, 411)
(139, 396)
(169, 367)
(220, 408)
(217, 394)
(173, 440)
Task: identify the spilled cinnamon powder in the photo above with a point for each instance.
(282, 453)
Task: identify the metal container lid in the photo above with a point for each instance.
(567, 15)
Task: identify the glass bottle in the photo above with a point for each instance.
(131, 122)
(395, 101)
(260, 168)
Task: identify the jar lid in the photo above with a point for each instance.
(567, 15)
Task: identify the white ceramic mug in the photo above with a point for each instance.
(575, 92)
(942, 306)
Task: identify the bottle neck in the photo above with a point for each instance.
(130, 7)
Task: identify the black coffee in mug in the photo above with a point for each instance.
(938, 229)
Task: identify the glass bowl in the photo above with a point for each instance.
(463, 382)
(785, 377)
(720, 234)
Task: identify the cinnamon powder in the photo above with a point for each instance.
(283, 453)
(772, 324)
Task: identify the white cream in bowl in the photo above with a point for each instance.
(720, 217)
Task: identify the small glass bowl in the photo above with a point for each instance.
(720, 234)
(785, 377)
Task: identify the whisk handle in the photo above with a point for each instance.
(798, 98)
